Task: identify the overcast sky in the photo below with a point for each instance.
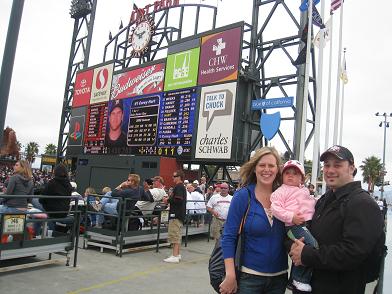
(38, 81)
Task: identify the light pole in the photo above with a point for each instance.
(386, 125)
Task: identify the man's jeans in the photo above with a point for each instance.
(301, 273)
(250, 284)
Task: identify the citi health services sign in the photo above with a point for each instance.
(219, 57)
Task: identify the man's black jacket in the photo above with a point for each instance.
(346, 232)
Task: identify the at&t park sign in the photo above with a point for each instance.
(149, 8)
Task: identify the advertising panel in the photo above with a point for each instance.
(137, 82)
(76, 130)
(102, 81)
(219, 57)
(94, 133)
(182, 69)
(216, 117)
(82, 88)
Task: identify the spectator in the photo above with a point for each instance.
(293, 205)
(177, 214)
(346, 224)
(196, 187)
(20, 183)
(58, 186)
(218, 206)
(203, 185)
(264, 260)
(74, 188)
(195, 203)
(217, 189)
(210, 192)
(311, 189)
(157, 192)
(130, 191)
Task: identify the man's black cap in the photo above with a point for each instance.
(116, 103)
(340, 152)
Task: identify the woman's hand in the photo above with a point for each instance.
(298, 218)
(229, 285)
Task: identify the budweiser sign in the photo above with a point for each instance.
(138, 82)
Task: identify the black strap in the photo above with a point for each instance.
(243, 220)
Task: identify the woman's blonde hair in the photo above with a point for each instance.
(247, 171)
(25, 169)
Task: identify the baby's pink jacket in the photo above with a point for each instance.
(287, 200)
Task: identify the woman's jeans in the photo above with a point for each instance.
(250, 284)
(301, 273)
(6, 209)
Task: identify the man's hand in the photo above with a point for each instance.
(123, 185)
(296, 251)
(165, 199)
(298, 218)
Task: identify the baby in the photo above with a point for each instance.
(293, 205)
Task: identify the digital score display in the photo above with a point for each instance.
(95, 129)
(176, 120)
(143, 121)
(160, 124)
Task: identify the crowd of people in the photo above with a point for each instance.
(328, 238)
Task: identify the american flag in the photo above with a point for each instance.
(335, 4)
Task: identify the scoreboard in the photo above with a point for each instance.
(153, 110)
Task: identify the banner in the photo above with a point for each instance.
(219, 57)
(182, 69)
(216, 118)
(141, 81)
(82, 88)
(102, 81)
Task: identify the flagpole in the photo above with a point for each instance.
(337, 112)
(328, 114)
(341, 109)
(301, 153)
(316, 136)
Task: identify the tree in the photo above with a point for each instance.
(51, 149)
(371, 171)
(31, 151)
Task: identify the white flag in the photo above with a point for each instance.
(324, 33)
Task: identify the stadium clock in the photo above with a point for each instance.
(141, 36)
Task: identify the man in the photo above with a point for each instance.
(157, 192)
(347, 224)
(115, 137)
(129, 190)
(177, 213)
(202, 185)
(218, 206)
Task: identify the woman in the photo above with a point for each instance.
(20, 183)
(264, 259)
(58, 186)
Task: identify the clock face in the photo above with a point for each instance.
(141, 36)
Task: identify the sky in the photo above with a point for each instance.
(38, 81)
